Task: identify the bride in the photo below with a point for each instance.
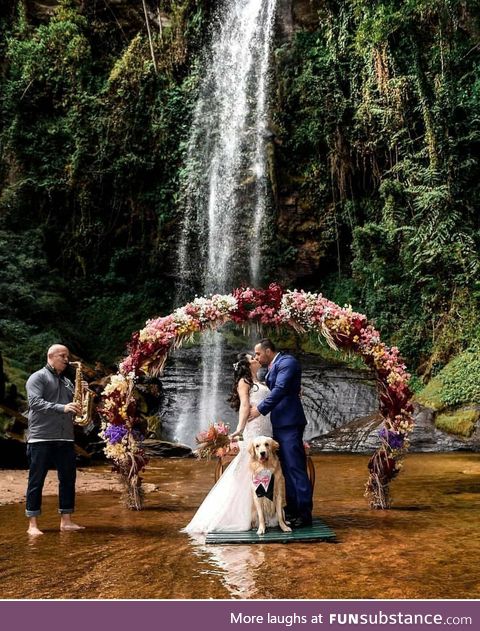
(228, 506)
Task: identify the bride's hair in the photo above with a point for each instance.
(241, 370)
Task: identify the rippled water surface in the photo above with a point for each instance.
(427, 546)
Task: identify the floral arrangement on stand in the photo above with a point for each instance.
(215, 442)
(306, 313)
(122, 436)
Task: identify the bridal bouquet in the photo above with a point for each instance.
(215, 442)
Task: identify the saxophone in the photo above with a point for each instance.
(83, 396)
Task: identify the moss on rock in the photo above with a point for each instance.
(457, 384)
(454, 394)
(459, 422)
(431, 395)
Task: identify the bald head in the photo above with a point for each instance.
(58, 356)
(56, 348)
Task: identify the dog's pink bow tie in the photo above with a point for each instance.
(263, 478)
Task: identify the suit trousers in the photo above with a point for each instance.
(42, 456)
(294, 466)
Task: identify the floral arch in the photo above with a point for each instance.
(302, 311)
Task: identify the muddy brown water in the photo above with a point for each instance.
(426, 546)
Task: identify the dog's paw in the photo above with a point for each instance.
(285, 528)
(261, 530)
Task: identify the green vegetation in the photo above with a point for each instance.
(460, 422)
(431, 394)
(457, 384)
(377, 111)
(17, 375)
(91, 147)
(455, 394)
(376, 136)
(16, 378)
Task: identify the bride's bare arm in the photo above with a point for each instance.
(243, 390)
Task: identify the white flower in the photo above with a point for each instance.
(117, 382)
(116, 452)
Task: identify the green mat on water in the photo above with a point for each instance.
(318, 531)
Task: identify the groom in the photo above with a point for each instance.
(288, 422)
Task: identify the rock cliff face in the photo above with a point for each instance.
(341, 406)
(361, 436)
(332, 395)
(297, 14)
(41, 10)
(305, 12)
(298, 220)
(127, 15)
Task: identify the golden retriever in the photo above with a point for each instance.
(267, 480)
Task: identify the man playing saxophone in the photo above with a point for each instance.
(50, 439)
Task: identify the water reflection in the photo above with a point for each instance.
(235, 565)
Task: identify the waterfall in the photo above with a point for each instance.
(226, 190)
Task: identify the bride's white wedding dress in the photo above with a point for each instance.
(228, 506)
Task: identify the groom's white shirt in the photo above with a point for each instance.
(271, 364)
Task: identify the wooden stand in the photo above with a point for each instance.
(318, 531)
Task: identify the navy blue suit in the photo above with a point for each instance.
(288, 422)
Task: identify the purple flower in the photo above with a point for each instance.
(115, 433)
(394, 440)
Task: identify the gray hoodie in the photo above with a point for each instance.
(48, 393)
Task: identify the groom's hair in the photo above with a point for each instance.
(267, 343)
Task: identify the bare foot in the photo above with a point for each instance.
(34, 531)
(71, 526)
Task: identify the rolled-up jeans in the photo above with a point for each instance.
(52, 454)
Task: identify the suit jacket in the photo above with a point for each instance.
(283, 403)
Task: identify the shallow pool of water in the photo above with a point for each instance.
(426, 546)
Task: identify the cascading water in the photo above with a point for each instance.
(226, 189)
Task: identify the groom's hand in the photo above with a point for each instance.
(254, 413)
